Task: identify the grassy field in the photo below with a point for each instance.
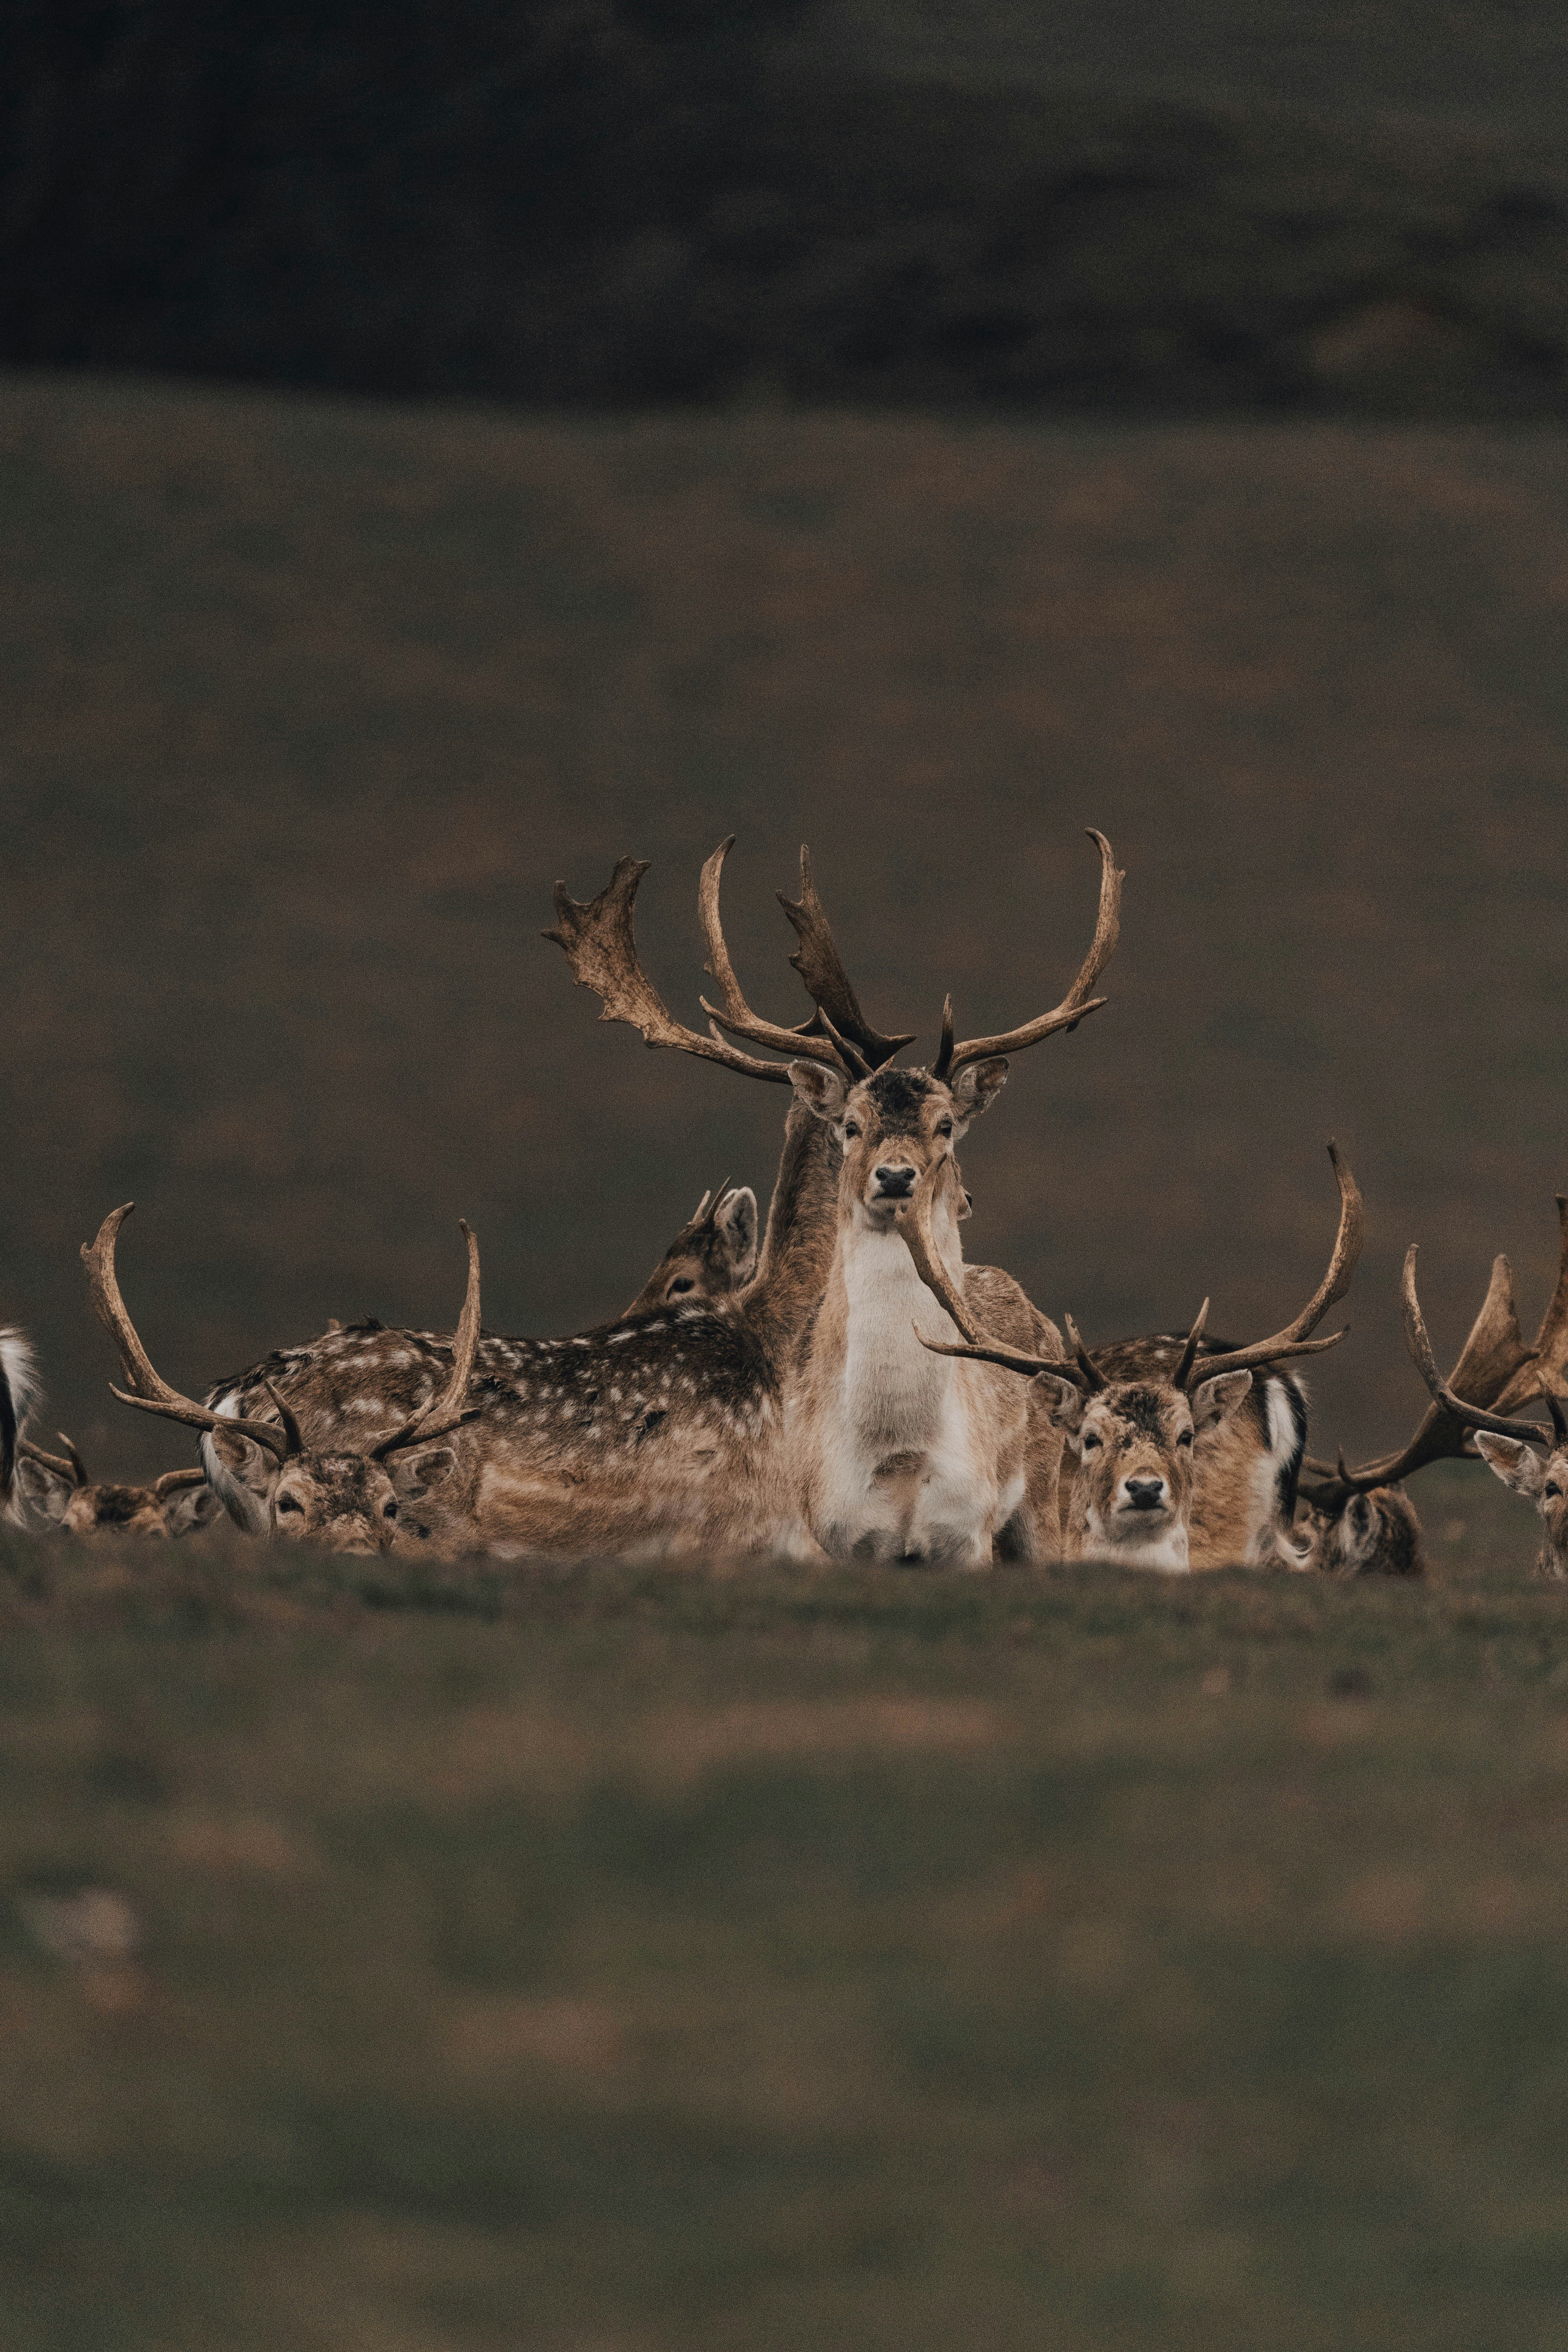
(605, 1960)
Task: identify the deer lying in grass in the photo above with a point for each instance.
(58, 1489)
(1161, 1471)
(1507, 1445)
(682, 1429)
(340, 1499)
(714, 1255)
(1360, 1522)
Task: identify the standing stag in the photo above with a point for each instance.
(1360, 1522)
(1170, 1459)
(341, 1499)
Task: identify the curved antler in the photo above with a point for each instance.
(828, 984)
(150, 1392)
(979, 1346)
(1293, 1340)
(736, 1014)
(174, 1482)
(601, 946)
(73, 1470)
(1469, 1416)
(1074, 1004)
(443, 1414)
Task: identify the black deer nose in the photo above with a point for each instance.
(1145, 1494)
(894, 1184)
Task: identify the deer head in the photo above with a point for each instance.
(1135, 1440)
(892, 1124)
(343, 1502)
(1375, 1533)
(58, 1488)
(1521, 1453)
(714, 1254)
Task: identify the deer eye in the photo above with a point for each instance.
(1089, 1442)
(851, 1127)
(685, 1283)
(1186, 1438)
(290, 1502)
(389, 1511)
(945, 1127)
(1551, 1488)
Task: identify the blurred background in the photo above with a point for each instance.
(444, 451)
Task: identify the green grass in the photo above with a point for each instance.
(594, 1957)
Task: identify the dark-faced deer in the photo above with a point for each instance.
(1159, 1470)
(712, 1256)
(1360, 1522)
(340, 1498)
(59, 1490)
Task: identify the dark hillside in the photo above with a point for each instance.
(309, 702)
(616, 202)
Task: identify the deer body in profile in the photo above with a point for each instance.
(1157, 1470)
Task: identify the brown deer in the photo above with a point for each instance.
(341, 1499)
(58, 1488)
(1507, 1445)
(674, 1430)
(714, 1255)
(1360, 1522)
(1157, 1470)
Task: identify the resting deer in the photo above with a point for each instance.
(1158, 1470)
(59, 1490)
(1360, 1522)
(665, 1431)
(343, 1500)
(714, 1255)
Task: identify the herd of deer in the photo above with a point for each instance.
(843, 1386)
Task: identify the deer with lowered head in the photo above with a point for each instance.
(340, 1498)
(1159, 1469)
(678, 1428)
(56, 1487)
(1360, 1522)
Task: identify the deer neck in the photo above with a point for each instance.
(797, 1250)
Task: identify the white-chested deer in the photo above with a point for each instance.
(18, 1394)
(338, 1498)
(1360, 1522)
(684, 1428)
(1160, 1471)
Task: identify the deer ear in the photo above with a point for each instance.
(413, 1478)
(1516, 1463)
(196, 1508)
(1063, 1400)
(820, 1089)
(978, 1083)
(737, 1221)
(44, 1488)
(1216, 1401)
(1360, 1524)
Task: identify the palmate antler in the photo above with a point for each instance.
(1495, 1371)
(600, 945)
(283, 1439)
(1084, 1373)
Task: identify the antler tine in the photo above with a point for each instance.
(1468, 1416)
(150, 1392)
(74, 1469)
(1093, 1380)
(1549, 1357)
(915, 1225)
(600, 945)
(174, 1482)
(443, 1414)
(1075, 1004)
(736, 1014)
(828, 984)
(1189, 1351)
(292, 1433)
(1293, 1340)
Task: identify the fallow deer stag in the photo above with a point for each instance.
(1507, 1445)
(1360, 1522)
(59, 1489)
(1161, 1469)
(343, 1500)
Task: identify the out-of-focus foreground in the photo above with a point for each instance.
(608, 1958)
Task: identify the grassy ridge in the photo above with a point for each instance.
(764, 1961)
